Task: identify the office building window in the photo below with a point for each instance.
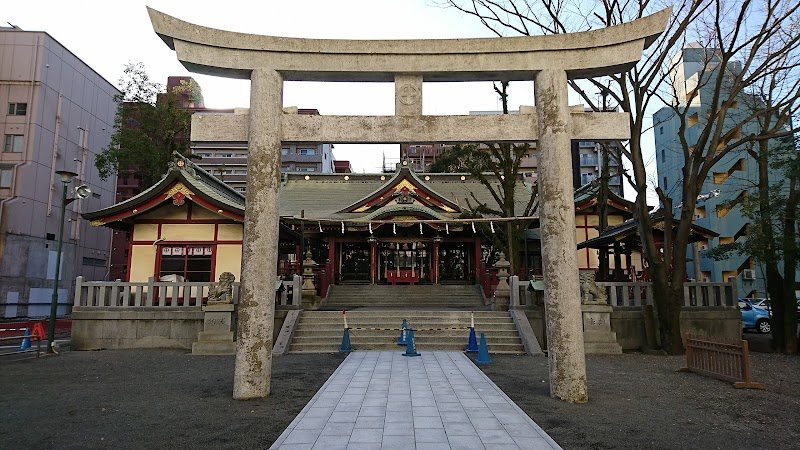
(308, 151)
(94, 262)
(5, 177)
(14, 143)
(284, 151)
(663, 155)
(17, 109)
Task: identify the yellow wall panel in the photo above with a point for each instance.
(230, 232)
(168, 211)
(198, 212)
(593, 220)
(594, 259)
(145, 232)
(187, 231)
(615, 220)
(229, 259)
(143, 262)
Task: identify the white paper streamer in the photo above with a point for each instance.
(491, 224)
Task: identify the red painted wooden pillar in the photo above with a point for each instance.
(373, 258)
(477, 258)
(332, 258)
(435, 268)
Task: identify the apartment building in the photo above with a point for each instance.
(57, 114)
(731, 178)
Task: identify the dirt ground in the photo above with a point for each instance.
(117, 399)
(171, 399)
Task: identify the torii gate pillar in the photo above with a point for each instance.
(565, 348)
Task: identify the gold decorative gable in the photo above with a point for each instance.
(178, 187)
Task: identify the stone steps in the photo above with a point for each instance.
(427, 296)
(321, 331)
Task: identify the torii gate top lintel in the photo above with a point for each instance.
(585, 54)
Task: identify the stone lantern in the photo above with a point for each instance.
(309, 300)
(503, 291)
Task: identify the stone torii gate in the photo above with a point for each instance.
(547, 60)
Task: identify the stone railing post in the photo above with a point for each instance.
(503, 291)
(151, 292)
(297, 287)
(309, 290)
(514, 300)
(78, 291)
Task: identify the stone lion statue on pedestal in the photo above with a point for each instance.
(590, 289)
(222, 292)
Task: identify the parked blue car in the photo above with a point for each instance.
(755, 318)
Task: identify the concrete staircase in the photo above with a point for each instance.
(418, 297)
(321, 331)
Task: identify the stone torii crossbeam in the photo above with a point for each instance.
(549, 61)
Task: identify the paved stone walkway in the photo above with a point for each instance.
(383, 400)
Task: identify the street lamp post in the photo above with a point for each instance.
(66, 179)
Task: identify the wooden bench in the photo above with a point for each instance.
(727, 361)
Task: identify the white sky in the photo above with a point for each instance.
(107, 34)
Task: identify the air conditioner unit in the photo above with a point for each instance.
(706, 280)
(702, 247)
(748, 274)
(731, 279)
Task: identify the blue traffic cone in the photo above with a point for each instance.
(403, 334)
(411, 349)
(346, 347)
(483, 352)
(472, 344)
(26, 341)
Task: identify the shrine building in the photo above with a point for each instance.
(400, 228)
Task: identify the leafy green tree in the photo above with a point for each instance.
(150, 125)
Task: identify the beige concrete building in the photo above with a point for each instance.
(57, 114)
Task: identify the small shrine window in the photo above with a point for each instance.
(191, 262)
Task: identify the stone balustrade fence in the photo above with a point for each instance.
(105, 294)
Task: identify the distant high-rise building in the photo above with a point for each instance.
(57, 114)
(227, 160)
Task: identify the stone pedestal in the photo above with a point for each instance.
(597, 335)
(216, 337)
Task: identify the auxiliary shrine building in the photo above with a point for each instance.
(406, 227)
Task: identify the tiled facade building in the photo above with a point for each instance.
(57, 114)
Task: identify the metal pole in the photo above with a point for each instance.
(51, 334)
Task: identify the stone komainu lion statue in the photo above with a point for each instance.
(589, 287)
(223, 291)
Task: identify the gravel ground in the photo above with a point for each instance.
(119, 399)
(641, 402)
(170, 399)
